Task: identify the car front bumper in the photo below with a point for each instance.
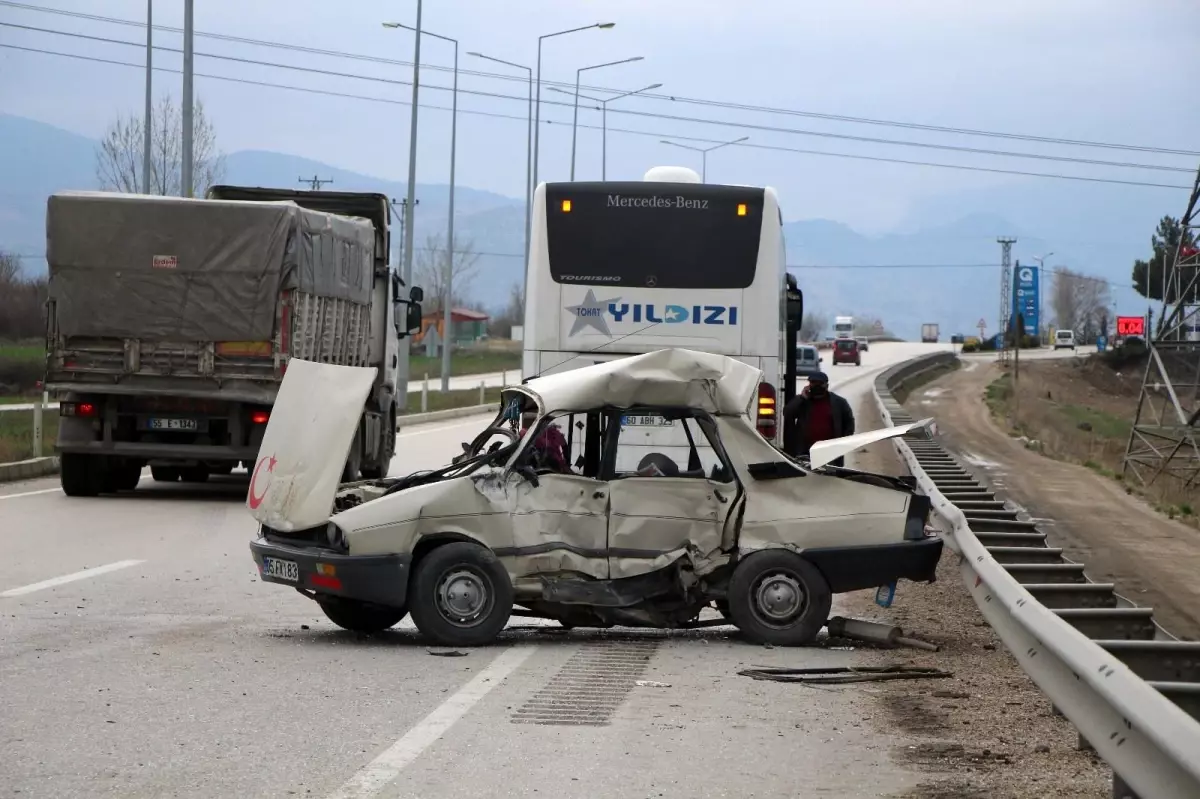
(378, 579)
(858, 568)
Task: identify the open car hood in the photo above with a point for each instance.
(824, 452)
(304, 448)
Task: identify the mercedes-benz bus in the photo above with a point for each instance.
(621, 268)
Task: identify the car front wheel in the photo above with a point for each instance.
(461, 596)
(777, 597)
(360, 617)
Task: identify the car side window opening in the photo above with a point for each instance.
(563, 443)
(651, 443)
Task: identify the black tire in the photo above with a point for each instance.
(80, 475)
(353, 467)
(165, 474)
(194, 474)
(360, 617)
(470, 576)
(387, 449)
(799, 594)
(122, 477)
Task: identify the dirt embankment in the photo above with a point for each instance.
(1007, 440)
(987, 732)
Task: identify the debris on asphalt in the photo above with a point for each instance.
(845, 674)
(875, 633)
(446, 653)
(651, 684)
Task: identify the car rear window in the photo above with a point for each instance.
(845, 345)
(808, 355)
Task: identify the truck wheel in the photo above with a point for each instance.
(122, 477)
(194, 474)
(353, 465)
(777, 597)
(360, 617)
(164, 474)
(387, 450)
(461, 595)
(80, 475)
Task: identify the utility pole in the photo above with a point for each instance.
(314, 182)
(147, 119)
(186, 183)
(403, 203)
(407, 264)
(1005, 294)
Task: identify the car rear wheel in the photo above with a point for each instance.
(461, 595)
(777, 597)
(360, 617)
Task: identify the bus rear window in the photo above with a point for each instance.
(660, 235)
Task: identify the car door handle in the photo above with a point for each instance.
(720, 498)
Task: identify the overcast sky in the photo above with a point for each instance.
(1107, 70)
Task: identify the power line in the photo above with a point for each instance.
(628, 112)
(672, 98)
(496, 115)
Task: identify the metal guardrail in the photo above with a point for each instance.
(1129, 688)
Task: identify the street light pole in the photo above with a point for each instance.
(402, 370)
(537, 104)
(604, 119)
(186, 165)
(528, 145)
(1041, 291)
(575, 120)
(448, 293)
(146, 120)
(704, 151)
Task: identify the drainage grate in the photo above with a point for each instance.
(590, 686)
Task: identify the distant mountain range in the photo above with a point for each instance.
(37, 159)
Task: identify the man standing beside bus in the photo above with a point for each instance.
(816, 414)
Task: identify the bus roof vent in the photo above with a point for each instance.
(671, 174)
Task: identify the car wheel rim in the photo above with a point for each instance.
(779, 599)
(463, 598)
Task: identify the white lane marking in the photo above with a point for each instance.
(30, 493)
(70, 578)
(374, 777)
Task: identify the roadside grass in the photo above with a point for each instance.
(465, 363)
(22, 364)
(1093, 438)
(445, 400)
(16, 434)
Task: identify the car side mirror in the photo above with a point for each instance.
(412, 317)
(416, 294)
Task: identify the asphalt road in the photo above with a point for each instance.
(140, 656)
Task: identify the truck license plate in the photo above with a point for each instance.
(281, 569)
(187, 425)
(646, 421)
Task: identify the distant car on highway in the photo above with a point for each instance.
(846, 351)
(808, 359)
(863, 344)
(1064, 339)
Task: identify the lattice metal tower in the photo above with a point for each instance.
(1165, 436)
(1005, 294)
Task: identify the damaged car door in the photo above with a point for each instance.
(670, 493)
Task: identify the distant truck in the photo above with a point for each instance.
(171, 322)
(929, 333)
(843, 327)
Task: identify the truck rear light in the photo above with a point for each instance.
(260, 417)
(766, 420)
(85, 409)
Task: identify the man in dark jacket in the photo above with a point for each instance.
(815, 414)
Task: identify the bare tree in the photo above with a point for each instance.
(429, 271)
(119, 157)
(1080, 301)
(813, 325)
(511, 315)
(22, 300)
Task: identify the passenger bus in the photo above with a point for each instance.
(621, 268)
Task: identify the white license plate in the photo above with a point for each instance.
(646, 421)
(281, 569)
(174, 424)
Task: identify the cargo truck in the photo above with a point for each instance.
(843, 326)
(929, 333)
(171, 322)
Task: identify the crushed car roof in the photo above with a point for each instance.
(676, 378)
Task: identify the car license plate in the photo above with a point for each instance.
(281, 569)
(646, 421)
(186, 425)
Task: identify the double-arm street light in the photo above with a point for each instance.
(1041, 290)
(704, 151)
(575, 119)
(604, 123)
(447, 304)
(528, 143)
(537, 105)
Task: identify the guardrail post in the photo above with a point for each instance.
(425, 394)
(480, 392)
(1121, 790)
(38, 405)
(504, 379)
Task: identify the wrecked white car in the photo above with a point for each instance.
(596, 523)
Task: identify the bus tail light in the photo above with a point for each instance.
(766, 421)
